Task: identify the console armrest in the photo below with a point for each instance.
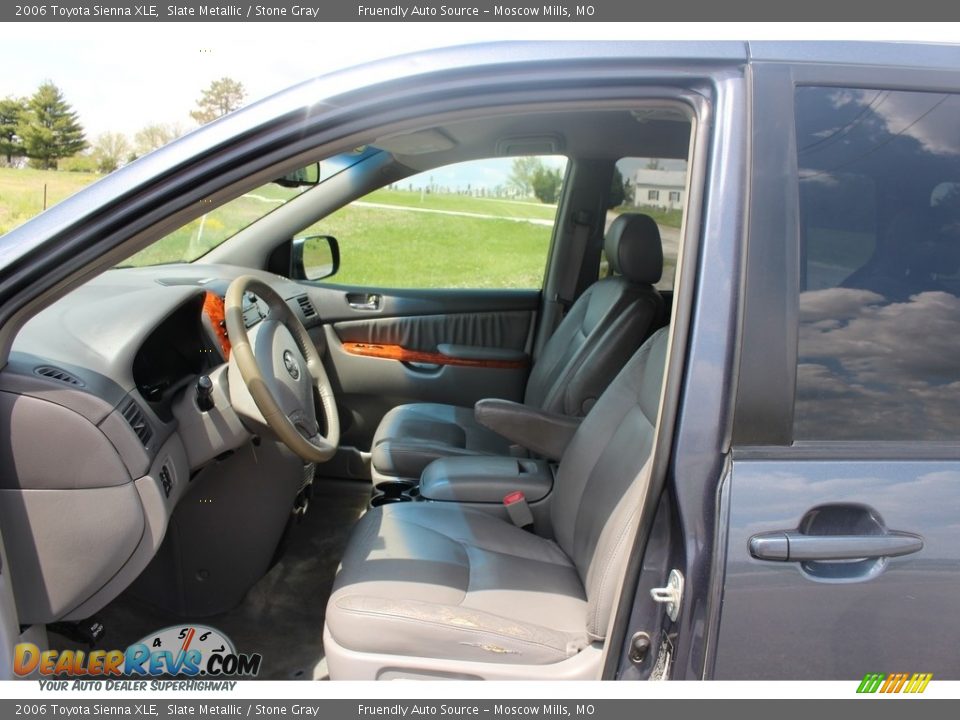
(485, 479)
(546, 434)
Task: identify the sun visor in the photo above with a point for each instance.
(421, 142)
(530, 145)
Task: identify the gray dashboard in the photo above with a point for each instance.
(97, 452)
(80, 352)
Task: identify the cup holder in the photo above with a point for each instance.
(393, 488)
(379, 500)
(394, 491)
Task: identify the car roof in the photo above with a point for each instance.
(892, 54)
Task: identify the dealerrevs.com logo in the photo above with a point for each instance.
(181, 650)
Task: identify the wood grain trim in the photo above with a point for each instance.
(213, 308)
(395, 352)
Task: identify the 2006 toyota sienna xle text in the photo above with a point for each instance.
(548, 361)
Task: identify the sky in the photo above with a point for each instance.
(122, 76)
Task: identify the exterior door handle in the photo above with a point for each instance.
(793, 546)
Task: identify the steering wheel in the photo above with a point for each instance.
(282, 367)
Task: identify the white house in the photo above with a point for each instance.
(659, 188)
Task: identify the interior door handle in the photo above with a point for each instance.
(364, 301)
(793, 546)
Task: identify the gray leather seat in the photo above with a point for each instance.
(438, 587)
(597, 336)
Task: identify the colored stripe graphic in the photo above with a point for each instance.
(918, 683)
(894, 683)
(870, 683)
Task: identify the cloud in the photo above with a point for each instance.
(874, 370)
(781, 496)
(929, 118)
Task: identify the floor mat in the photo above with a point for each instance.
(281, 616)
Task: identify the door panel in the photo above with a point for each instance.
(506, 330)
(844, 618)
(336, 304)
(444, 346)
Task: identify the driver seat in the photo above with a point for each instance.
(434, 589)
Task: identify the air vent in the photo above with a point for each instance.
(55, 373)
(308, 310)
(134, 415)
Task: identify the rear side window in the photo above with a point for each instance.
(879, 336)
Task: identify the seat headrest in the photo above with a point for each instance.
(633, 248)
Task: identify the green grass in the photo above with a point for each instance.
(21, 192)
(666, 218)
(528, 209)
(387, 248)
(206, 232)
(379, 247)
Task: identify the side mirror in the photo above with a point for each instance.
(314, 257)
(302, 177)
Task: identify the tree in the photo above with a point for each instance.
(111, 151)
(546, 184)
(618, 189)
(49, 128)
(11, 115)
(221, 97)
(82, 163)
(155, 136)
(521, 174)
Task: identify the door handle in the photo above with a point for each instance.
(793, 546)
(364, 301)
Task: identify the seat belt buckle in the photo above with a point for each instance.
(519, 510)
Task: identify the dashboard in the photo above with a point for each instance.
(97, 400)
(183, 346)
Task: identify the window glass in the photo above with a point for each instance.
(656, 187)
(879, 336)
(219, 224)
(206, 232)
(478, 224)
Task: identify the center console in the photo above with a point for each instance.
(483, 482)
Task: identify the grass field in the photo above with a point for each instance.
(465, 203)
(21, 192)
(668, 218)
(391, 248)
(379, 246)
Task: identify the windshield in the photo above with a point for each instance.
(203, 234)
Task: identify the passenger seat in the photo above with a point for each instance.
(601, 331)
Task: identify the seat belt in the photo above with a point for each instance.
(567, 277)
(570, 271)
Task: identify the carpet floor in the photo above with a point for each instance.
(282, 615)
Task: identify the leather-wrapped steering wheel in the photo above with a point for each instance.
(282, 368)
